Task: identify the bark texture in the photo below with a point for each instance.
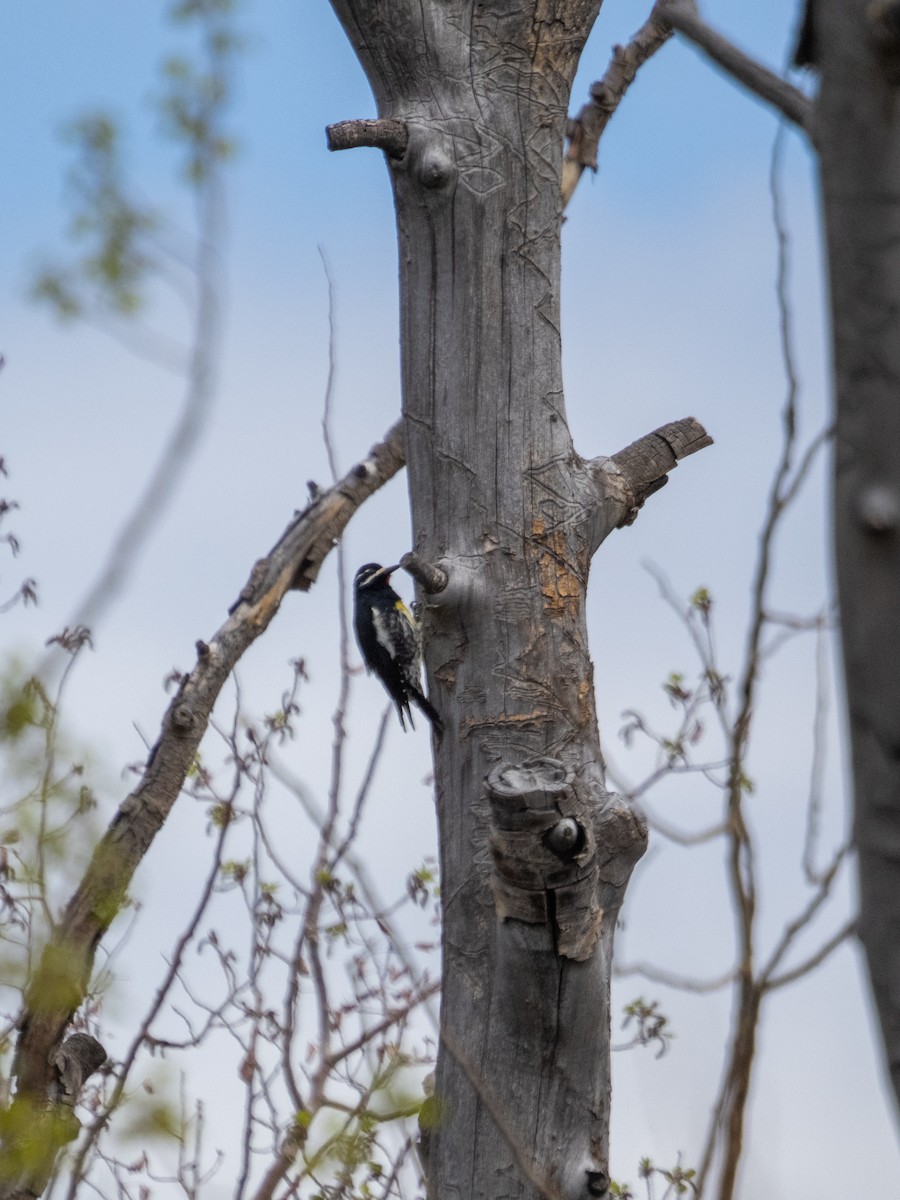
(858, 134)
(534, 866)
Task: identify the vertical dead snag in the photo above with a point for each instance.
(499, 494)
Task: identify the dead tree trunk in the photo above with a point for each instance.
(856, 47)
(535, 854)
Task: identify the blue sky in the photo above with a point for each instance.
(668, 305)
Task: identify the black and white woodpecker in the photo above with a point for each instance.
(390, 641)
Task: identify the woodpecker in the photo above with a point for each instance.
(389, 641)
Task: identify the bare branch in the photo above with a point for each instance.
(288, 1150)
(814, 960)
(682, 837)
(331, 1059)
(585, 130)
(364, 880)
(683, 983)
(817, 768)
(682, 16)
(800, 922)
(143, 1033)
(388, 135)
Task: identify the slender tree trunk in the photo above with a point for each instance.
(856, 47)
(473, 99)
(738, 1072)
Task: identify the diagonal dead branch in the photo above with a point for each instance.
(542, 1186)
(684, 18)
(61, 980)
(585, 130)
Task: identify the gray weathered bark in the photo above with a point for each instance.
(856, 48)
(533, 865)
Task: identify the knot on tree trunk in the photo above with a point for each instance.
(76, 1059)
(36, 1127)
(549, 856)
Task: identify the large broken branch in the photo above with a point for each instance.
(646, 463)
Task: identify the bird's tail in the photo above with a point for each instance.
(422, 702)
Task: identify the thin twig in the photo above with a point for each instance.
(682, 983)
(800, 922)
(367, 887)
(817, 768)
(814, 960)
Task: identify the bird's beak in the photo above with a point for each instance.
(387, 572)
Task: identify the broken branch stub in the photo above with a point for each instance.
(388, 135)
(645, 464)
(74, 1062)
(544, 849)
(431, 578)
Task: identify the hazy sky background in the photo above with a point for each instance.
(669, 262)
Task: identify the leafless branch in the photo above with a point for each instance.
(817, 767)
(683, 16)
(585, 130)
(140, 1039)
(803, 919)
(366, 884)
(814, 960)
(683, 837)
(646, 463)
(66, 963)
(683, 983)
(388, 135)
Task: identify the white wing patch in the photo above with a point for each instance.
(392, 632)
(382, 632)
